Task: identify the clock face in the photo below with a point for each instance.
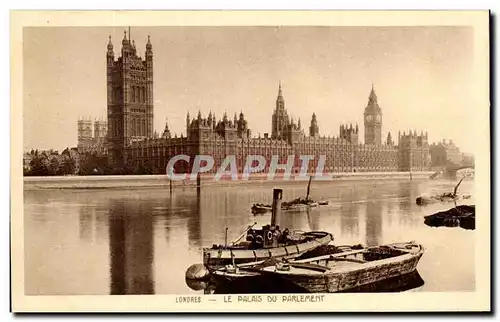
(368, 118)
(378, 118)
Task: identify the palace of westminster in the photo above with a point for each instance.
(128, 138)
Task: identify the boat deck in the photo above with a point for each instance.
(317, 269)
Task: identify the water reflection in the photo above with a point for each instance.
(125, 241)
(349, 217)
(131, 248)
(313, 218)
(87, 223)
(373, 223)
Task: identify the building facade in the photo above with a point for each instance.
(444, 154)
(92, 136)
(132, 142)
(344, 153)
(130, 98)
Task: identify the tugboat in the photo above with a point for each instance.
(268, 242)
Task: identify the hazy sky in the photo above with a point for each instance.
(421, 76)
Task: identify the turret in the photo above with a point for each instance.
(149, 49)
(314, 129)
(242, 127)
(166, 132)
(389, 139)
(110, 54)
(210, 118)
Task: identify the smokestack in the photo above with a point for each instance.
(276, 212)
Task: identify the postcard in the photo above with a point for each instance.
(242, 161)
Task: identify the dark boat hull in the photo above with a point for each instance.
(370, 273)
(215, 258)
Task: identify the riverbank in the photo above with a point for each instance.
(161, 181)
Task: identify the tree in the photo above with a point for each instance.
(38, 167)
(54, 166)
(68, 165)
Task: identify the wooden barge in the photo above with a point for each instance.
(335, 272)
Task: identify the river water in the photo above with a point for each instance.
(141, 241)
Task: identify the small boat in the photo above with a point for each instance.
(265, 243)
(298, 204)
(463, 216)
(348, 270)
(444, 197)
(252, 270)
(260, 208)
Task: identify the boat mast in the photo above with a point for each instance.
(308, 187)
(456, 187)
(225, 239)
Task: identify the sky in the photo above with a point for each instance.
(421, 76)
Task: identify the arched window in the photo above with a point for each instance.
(144, 127)
(137, 94)
(132, 93)
(144, 95)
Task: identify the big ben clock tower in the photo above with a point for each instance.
(373, 120)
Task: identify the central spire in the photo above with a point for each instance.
(280, 93)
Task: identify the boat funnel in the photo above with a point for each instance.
(276, 211)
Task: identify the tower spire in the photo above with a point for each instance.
(373, 96)
(129, 33)
(149, 47)
(110, 47)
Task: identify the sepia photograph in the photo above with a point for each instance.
(239, 161)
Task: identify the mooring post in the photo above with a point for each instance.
(170, 184)
(198, 183)
(276, 211)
